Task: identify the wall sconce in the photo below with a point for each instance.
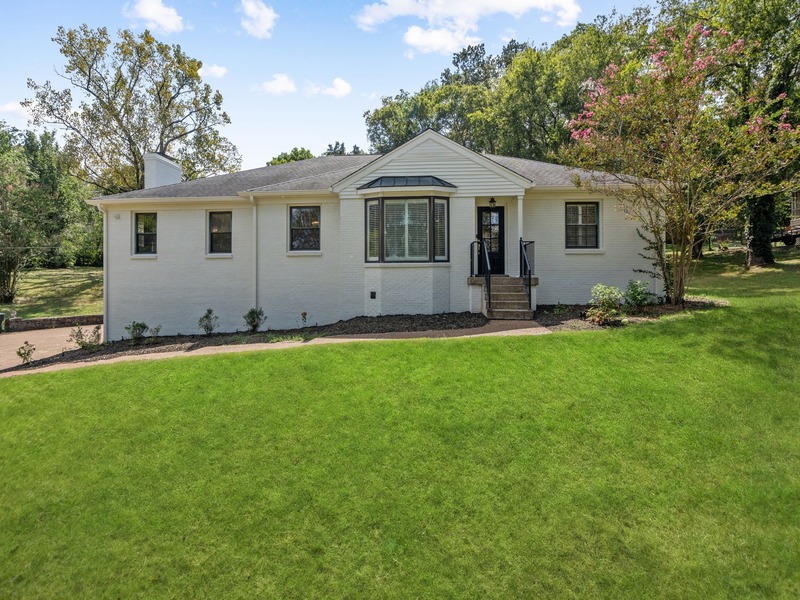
(492, 203)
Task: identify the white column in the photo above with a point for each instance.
(520, 229)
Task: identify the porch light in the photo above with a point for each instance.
(492, 203)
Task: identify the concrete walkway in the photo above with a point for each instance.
(50, 342)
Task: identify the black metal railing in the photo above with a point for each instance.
(479, 249)
(526, 266)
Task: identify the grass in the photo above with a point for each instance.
(58, 293)
(661, 460)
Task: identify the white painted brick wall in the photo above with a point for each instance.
(175, 288)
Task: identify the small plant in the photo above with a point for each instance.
(606, 302)
(137, 330)
(637, 294)
(560, 309)
(304, 317)
(90, 341)
(154, 331)
(254, 319)
(208, 322)
(25, 352)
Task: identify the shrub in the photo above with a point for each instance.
(137, 331)
(606, 302)
(606, 297)
(208, 322)
(154, 331)
(90, 342)
(25, 352)
(254, 319)
(637, 294)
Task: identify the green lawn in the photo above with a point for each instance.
(661, 460)
(58, 292)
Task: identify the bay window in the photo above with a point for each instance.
(406, 230)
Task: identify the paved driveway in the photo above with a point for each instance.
(48, 342)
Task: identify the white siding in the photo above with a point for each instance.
(442, 290)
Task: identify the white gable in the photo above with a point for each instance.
(432, 154)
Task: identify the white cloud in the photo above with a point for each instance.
(442, 40)
(15, 110)
(259, 19)
(280, 84)
(156, 16)
(214, 71)
(452, 23)
(338, 89)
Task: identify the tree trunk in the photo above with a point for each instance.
(761, 213)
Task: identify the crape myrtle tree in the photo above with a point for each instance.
(679, 150)
(770, 61)
(127, 98)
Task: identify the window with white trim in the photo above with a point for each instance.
(582, 224)
(219, 232)
(145, 226)
(407, 229)
(304, 228)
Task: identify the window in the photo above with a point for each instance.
(582, 225)
(407, 230)
(219, 232)
(796, 205)
(145, 228)
(304, 228)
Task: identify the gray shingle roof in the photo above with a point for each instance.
(546, 174)
(311, 174)
(319, 174)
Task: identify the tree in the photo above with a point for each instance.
(678, 149)
(293, 155)
(770, 60)
(18, 214)
(338, 148)
(134, 96)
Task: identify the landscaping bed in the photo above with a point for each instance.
(572, 317)
(558, 317)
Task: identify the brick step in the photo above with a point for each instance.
(510, 314)
(510, 304)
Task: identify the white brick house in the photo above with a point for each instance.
(342, 236)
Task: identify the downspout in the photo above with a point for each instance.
(520, 228)
(106, 319)
(255, 251)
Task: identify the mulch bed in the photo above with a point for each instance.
(555, 317)
(571, 317)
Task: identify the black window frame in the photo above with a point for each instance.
(317, 228)
(595, 225)
(141, 246)
(214, 236)
(431, 212)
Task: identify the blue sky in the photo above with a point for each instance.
(291, 73)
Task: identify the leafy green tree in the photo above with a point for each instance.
(770, 61)
(680, 152)
(340, 149)
(18, 214)
(133, 96)
(293, 155)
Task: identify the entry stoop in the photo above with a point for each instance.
(509, 299)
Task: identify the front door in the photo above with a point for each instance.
(491, 229)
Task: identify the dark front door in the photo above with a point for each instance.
(491, 229)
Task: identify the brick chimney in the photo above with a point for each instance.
(160, 169)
